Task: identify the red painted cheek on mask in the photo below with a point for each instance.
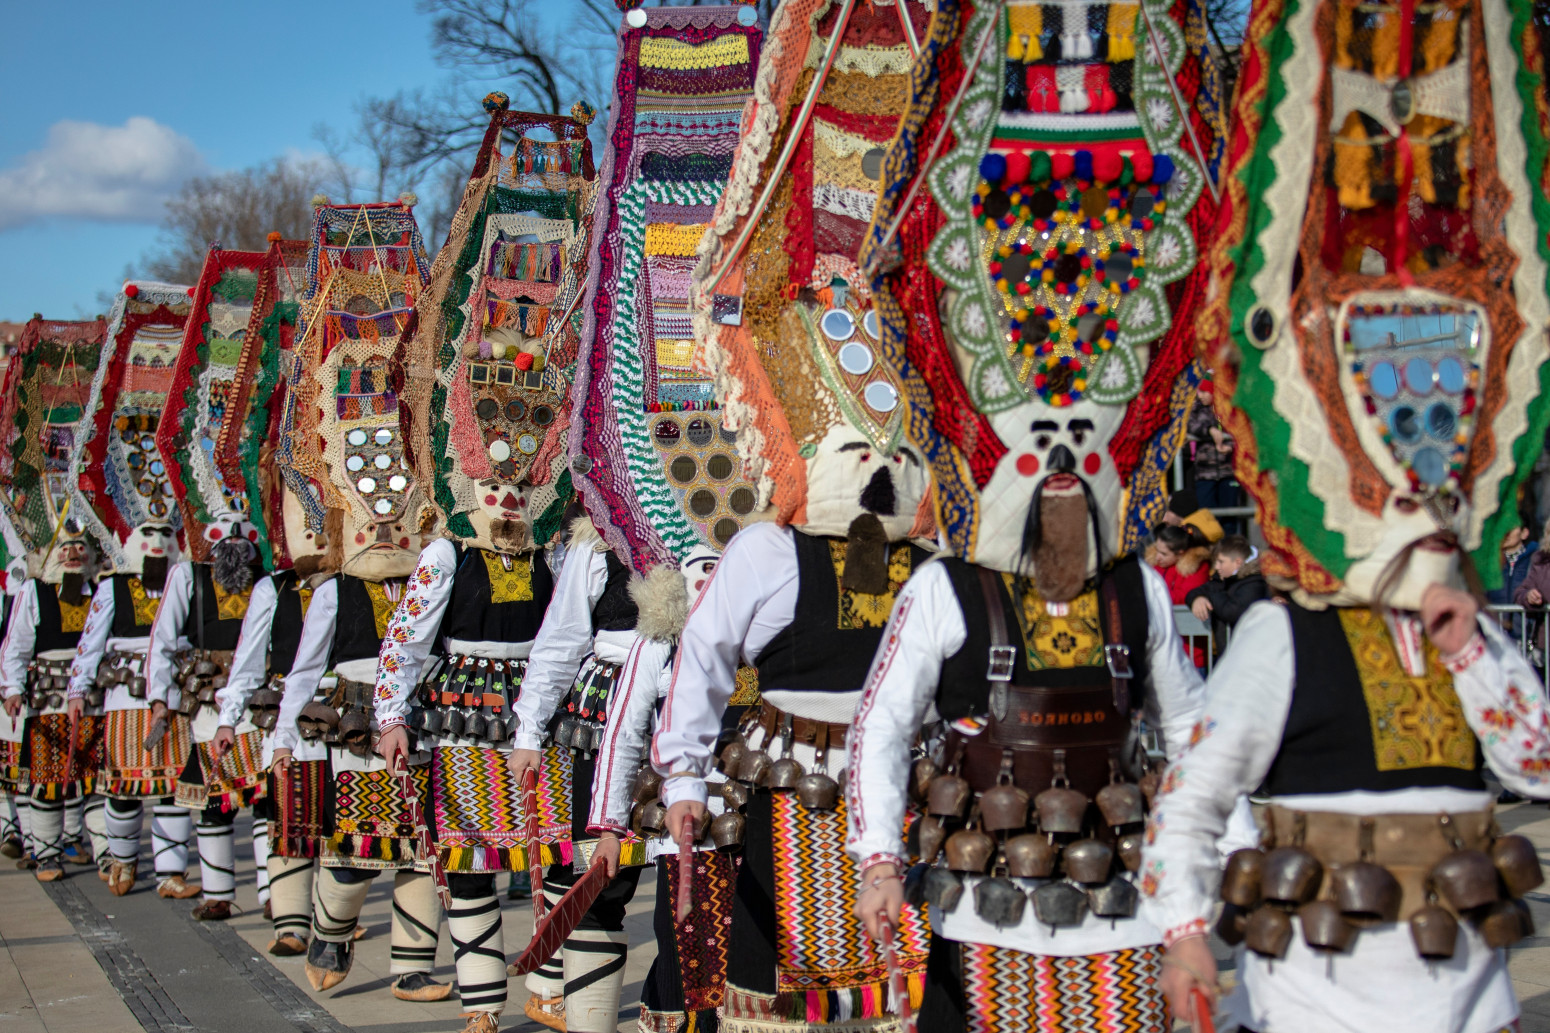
(1092, 463)
(360, 537)
(1027, 464)
(403, 543)
(489, 500)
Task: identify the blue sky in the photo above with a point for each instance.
(107, 105)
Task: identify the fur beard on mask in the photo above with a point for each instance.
(72, 588)
(866, 556)
(1055, 542)
(306, 566)
(153, 573)
(509, 535)
(231, 564)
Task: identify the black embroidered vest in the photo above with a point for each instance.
(1370, 726)
(223, 613)
(491, 604)
(285, 627)
(360, 621)
(51, 633)
(615, 610)
(828, 645)
(129, 619)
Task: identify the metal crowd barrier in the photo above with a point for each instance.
(1527, 626)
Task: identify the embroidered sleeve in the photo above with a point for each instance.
(93, 642)
(250, 662)
(411, 633)
(1226, 754)
(166, 631)
(1504, 703)
(301, 684)
(562, 644)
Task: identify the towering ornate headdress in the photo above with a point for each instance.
(366, 267)
(784, 320)
(1043, 202)
(250, 434)
(122, 480)
(42, 405)
(1379, 305)
(657, 468)
(200, 401)
(487, 369)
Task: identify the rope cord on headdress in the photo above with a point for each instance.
(1179, 106)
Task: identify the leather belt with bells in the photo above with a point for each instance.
(817, 734)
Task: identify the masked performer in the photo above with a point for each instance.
(44, 394)
(341, 428)
(125, 497)
(1378, 332)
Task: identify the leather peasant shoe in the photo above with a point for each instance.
(328, 963)
(419, 986)
(175, 887)
(549, 1012)
(78, 852)
(481, 1022)
(50, 871)
(287, 945)
(121, 878)
(12, 847)
(212, 910)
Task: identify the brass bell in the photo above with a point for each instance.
(783, 775)
(266, 719)
(206, 693)
(1366, 893)
(1029, 856)
(731, 758)
(1058, 904)
(1517, 862)
(137, 687)
(818, 792)
(452, 724)
(1230, 924)
(431, 720)
(1128, 847)
(1117, 898)
(922, 773)
(1504, 923)
(702, 826)
(218, 682)
(1088, 861)
(95, 696)
(1003, 807)
(648, 785)
(1061, 808)
(354, 728)
(1241, 880)
(1121, 803)
(122, 674)
(105, 678)
(1268, 931)
(316, 720)
(204, 668)
(755, 765)
(931, 835)
(726, 831)
(1324, 927)
(943, 888)
(1466, 879)
(969, 850)
(635, 810)
(1434, 931)
(496, 730)
(476, 726)
(948, 796)
(999, 902)
(653, 818)
(1291, 876)
(734, 794)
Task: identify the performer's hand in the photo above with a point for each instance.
(881, 897)
(224, 737)
(76, 707)
(1449, 617)
(520, 762)
(281, 761)
(608, 850)
(393, 747)
(13, 705)
(1201, 608)
(1187, 965)
(675, 821)
(158, 710)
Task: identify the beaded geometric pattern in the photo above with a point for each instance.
(1010, 991)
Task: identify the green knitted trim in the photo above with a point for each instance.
(548, 523)
(256, 430)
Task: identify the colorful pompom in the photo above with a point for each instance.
(495, 101)
(1162, 168)
(993, 167)
(1017, 165)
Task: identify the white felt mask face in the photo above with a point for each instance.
(1065, 450)
(153, 540)
(847, 477)
(300, 539)
(69, 556)
(378, 549)
(1436, 560)
(504, 508)
(697, 568)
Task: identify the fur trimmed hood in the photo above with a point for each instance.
(662, 599)
(581, 532)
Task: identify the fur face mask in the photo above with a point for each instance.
(231, 564)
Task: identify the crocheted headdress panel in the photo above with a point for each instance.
(1380, 307)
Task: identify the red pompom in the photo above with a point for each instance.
(1062, 165)
(1141, 162)
(190, 292)
(1017, 167)
(131, 291)
(1107, 166)
(523, 361)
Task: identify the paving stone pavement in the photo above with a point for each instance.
(75, 958)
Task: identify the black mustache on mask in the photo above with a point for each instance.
(153, 573)
(72, 588)
(878, 496)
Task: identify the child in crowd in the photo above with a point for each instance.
(1235, 585)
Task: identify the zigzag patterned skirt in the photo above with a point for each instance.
(56, 767)
(366, 821)
(973, 988)
(129, 772)
(297, 801)
(237, 780)
(690, 971)
(12, 775)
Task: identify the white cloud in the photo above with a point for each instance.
(89, 171)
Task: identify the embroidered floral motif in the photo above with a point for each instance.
(1151, 879)
(509, 586)
(1416, 721)
(230, 606)
(1203, 728)
(381, 605)
(145, 606)
(73, 618)
(1074, 640)
(860, 609)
